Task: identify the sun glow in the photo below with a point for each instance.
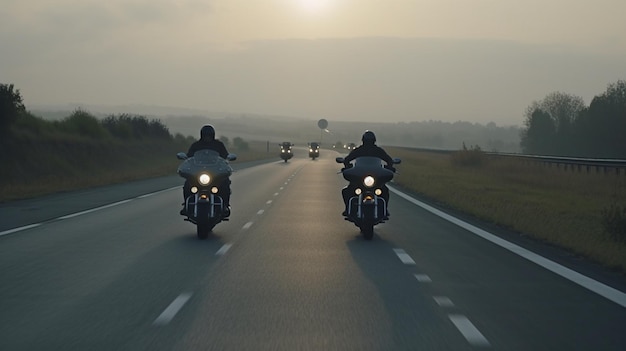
(313, 6)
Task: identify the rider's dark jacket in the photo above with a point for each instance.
(215, 145)
(368, 149)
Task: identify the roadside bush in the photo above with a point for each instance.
(614, 222)
(472, 157)
(125, 127)
(82, 123)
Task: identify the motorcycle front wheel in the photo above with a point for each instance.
(367, 225)
(203, 226)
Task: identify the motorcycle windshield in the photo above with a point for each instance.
(368, 162)
(205, 161)
(367, 165)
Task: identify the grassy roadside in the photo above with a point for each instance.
(35, 168)
(560, 207)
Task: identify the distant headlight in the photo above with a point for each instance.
(283, 150)
(204, 179)
(368, 181)
(310, 150)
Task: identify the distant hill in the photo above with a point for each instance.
(433, 134)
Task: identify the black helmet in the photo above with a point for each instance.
(207, 132)
(368, 137)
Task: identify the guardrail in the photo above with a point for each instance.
(572, 163)
(598, 165)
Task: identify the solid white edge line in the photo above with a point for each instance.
(14, 230)
(168, 314)
(95, 209)
(10, 231)
(601, 289)
(157, 192)
(469, 331)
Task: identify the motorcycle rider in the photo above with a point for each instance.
(208, 142)
(368, 148)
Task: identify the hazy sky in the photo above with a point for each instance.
(368, 60)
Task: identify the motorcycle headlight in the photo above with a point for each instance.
(214, 190)
(378, 192)
(283, 151)
(194, 189)
(204, 179)
(357, 191)
(311, 150)
(368, 181)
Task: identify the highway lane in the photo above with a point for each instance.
(285, 273)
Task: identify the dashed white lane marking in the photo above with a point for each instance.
(404, 257)
(247, 225)
(269, 202)
(275, 194)
(281, 188)
(95, 209)
(601, 289)
(224, 249)
(423, 278)
(166, 316)
(469, 331)
(443, 301)
(260, 212)
(19, 229)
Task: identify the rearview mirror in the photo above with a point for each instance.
(181, 156)
(339, 160)
(397, 161)
(231, 157)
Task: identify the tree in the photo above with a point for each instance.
(562, 110)
(602, 126)
(540, 132)
(11, 107)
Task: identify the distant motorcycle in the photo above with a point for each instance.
(206, 173)
(366, 206)
(314, 150)
(285, 151)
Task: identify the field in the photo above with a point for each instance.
(37, 168)
(569, 209)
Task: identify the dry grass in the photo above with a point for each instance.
(38, 168)
(561, 207)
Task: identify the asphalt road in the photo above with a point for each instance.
(116, 268)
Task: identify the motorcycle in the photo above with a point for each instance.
(366, 206)
(206, 174)
(314, 150)
(285, 151)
